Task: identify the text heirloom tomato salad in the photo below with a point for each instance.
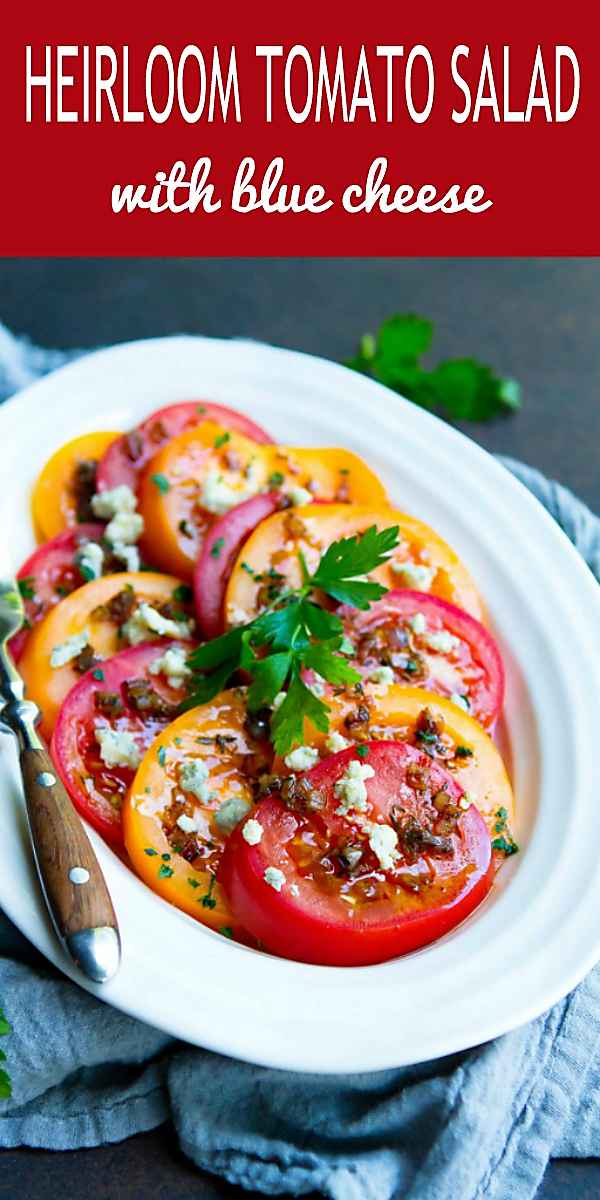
(270, 691)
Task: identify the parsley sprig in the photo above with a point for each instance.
(296, 634)
(460, 388)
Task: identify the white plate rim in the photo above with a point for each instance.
(317, 1019)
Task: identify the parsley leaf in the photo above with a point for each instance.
(461, 388)
(322, 658)
(338, 573)
(287, 725)
(26, 587)
(270, 675)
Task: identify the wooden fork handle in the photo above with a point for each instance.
(73, 883)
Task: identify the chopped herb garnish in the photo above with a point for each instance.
(200, 409)
(222, 440)
(247, 568)
(165, 857)
(161, 755)
(505, 845)
(26, 587)
(276, 479)
(362, 751)
(162, 483)
(61, 590)
(463, 752)
(208, 900)
(185, 528)
(98, 674)
(216, 548)
(150, 851)
(226, 930)
(164, 872)
(183, 594)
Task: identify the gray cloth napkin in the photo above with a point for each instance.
(473, 1125)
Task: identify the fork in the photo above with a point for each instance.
(70, 875)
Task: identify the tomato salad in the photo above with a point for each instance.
(270, 691)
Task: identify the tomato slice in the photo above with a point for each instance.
(63, 490)
(221, 547)
(49, 574)
(430, 723)
(204, 473)
(124, 695)
(181, 863)
(316, 881)
(430, 643)
(274, 545)
(100, 609)
(126, 458)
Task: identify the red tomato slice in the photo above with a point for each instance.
(126, 458)
(314, 888)
(116, 694)
(402, 631)
(221, 546)
(49, 574)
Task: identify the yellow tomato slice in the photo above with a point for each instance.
(394, 714)
(215, 735)
(274, 545)
(198, 474)
(83, 610)
(53, 500)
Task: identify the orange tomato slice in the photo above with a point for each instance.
(175, 494)
(394, 714)
(53, 500)
(272, 550)
(83, 609)
(213, 734)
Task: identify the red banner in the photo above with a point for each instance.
(456, 129)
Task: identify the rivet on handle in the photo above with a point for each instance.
(46, 779)
(79, 875)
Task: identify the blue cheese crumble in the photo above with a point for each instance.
(124, 529)
(383, 676)
(383, 841)
(173, 665)
(90, 560)
(335, 742)
(275, 878)
(252, 832)
(231, 812)
(118, 748)
(107, 504)
(414, 574)
(302, 758)
(351, 789)
(147, 620)
(442, 641)
(217, 496)
(66, 651)
(193, 776)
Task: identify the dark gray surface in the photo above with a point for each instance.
(535, 319)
